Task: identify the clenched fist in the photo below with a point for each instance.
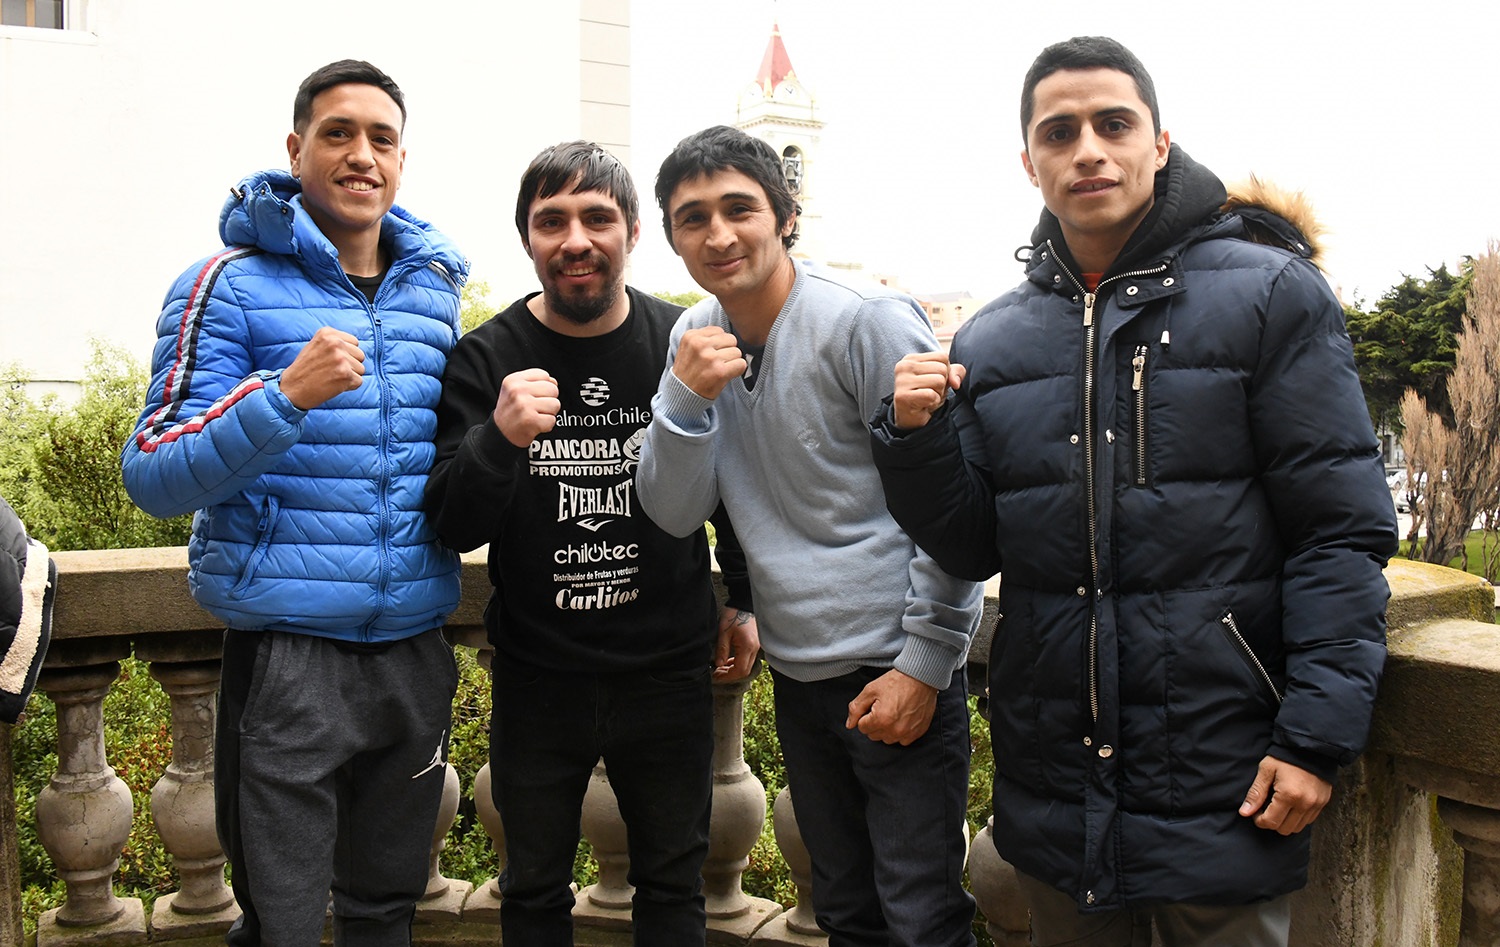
(707, 359)
(527, 405)
(922, 383)
(331, 363)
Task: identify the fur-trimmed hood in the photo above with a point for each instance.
(1276, 216)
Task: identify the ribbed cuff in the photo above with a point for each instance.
(928, 661)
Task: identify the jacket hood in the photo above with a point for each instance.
(1187, 195)
(1276, 216)
(265, 210)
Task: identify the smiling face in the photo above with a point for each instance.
(349, 157)
(579, 243)
(725, 230)
(1092, 152)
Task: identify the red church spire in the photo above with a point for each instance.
(776, 65)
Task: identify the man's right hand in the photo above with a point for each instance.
(708, 358)
(922, 383)
(331, 363)
(527, 405)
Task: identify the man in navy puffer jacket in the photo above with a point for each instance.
(1159, 440)
(293, 406)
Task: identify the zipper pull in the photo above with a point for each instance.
(1088, 309)
(1138, 367)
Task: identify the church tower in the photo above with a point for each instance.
(778, 109)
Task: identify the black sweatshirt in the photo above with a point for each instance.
(584, 580)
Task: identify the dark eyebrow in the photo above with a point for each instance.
(346, 120)
(542, 209)
(1111, 112)
(681, 209)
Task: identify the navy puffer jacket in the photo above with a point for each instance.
(1178, 481)
(307, 521)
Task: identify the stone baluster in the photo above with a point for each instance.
(445, 897)
(83, 815)
(182, 802)
(739, 814)
(993, 883)
(1477, 830)
(483, 904)
(797, 926)
(605, 903)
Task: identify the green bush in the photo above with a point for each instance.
(139, 746)
(60, 464)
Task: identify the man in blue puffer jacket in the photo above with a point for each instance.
(1160, 441)
(292, 405)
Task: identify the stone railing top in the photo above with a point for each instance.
(1439, 707)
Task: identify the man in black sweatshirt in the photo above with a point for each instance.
(604, 625)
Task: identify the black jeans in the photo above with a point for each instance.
(884, 824)
(655, 734)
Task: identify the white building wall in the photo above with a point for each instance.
(119, 141)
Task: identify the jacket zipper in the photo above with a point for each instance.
(382, 445)
(1090, 351)
(1234, 634)
(1138, 386)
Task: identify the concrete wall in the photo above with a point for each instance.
(120, 139)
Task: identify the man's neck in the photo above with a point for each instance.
(360, 254)
(1090, 256)
(612, 319)
(362, 262)
(753, 313)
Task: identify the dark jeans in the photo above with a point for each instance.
(655, 734)
(884, 824)
(328, 774)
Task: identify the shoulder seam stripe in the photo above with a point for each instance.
(176, 387)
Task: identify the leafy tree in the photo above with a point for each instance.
(1408, 342)
(475, 308)
(60, 464)
(681, 299)
(1453, 462)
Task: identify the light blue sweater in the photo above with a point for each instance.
(837, 583)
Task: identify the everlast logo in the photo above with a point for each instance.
(578, 502)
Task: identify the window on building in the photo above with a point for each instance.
(46, 14)
(791, 165)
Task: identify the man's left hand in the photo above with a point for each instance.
(739, 644)
(1284, 797)
(893, 708)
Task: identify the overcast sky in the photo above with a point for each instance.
(1384, 115)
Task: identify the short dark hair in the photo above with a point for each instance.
(338, 73)
(1087, 52)
(717, 149)
(587, 167)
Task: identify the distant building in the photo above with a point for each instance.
(782, 112)
(948, 311)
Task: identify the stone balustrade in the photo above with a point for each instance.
(1407, 854)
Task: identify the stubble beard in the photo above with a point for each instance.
(583, 309)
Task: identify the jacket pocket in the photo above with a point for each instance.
(270, 511)
(1140, 420)
(1247, 654)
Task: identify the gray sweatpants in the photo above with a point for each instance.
(328, 774)
(1055, 921)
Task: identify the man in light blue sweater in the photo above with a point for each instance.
(763, 407)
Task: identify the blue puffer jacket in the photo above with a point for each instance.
(307, 521)
(1178, 481)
